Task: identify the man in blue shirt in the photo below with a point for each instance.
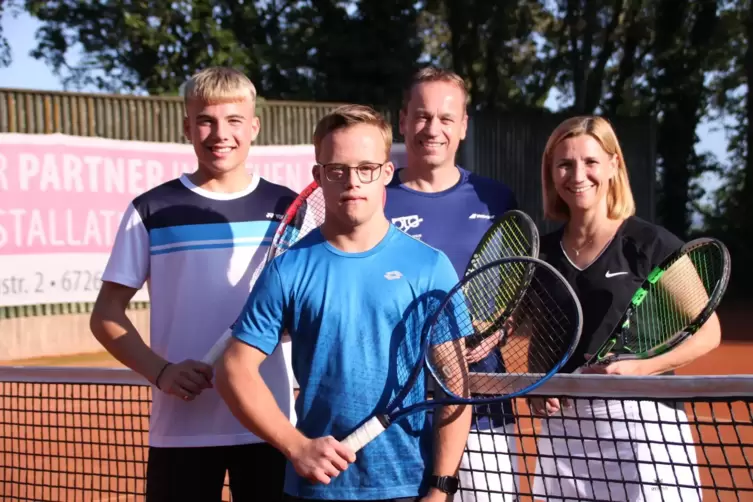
(450, 208)
(354, 296)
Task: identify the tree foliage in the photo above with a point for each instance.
(497, 47)
(729, 216)
(317, 49)
(8, 9)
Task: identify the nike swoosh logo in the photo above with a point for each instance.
(614, 274)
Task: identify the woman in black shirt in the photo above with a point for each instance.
(605, 252)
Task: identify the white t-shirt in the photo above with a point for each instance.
(197, 252)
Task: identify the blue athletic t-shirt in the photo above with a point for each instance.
(354, 320)
(454, 221)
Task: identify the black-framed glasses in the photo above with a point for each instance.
(367, 172)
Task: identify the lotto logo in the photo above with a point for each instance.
(391, 276)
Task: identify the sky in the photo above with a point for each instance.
(28, 73)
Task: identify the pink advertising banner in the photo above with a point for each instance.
(62, 198)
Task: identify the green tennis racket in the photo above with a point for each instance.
(672, 304)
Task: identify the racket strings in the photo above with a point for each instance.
(495, 298)
(678, 297)
(542, 315)
(517, 348)
(511, 236)
(510, 239)
(308, 215)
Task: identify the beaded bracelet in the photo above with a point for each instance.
(156, 380)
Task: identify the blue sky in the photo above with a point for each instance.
(27, 73)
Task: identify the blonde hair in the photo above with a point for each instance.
(218, 84)
(433, 74)
(349, 115)
(620, 203)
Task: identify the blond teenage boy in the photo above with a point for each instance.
(195, 241)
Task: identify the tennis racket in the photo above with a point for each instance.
(548, 317)
(304, 214)
(512, 234)
(672, 304)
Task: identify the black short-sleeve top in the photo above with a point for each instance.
(606, 286)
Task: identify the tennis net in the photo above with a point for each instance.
(81, 434)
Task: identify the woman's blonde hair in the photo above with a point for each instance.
(620, 203)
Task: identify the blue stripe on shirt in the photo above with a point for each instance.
(212, 232)
(219, 245)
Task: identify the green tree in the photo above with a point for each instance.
(729, 216)
(357, 52)
(130, 46)
(316, 49)
(7, 8)
(683, 45)
(497, 47)
(591, 34)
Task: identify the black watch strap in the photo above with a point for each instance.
(447, 484)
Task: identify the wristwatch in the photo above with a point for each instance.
(447, 484)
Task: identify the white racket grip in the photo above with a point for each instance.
(364, 434)
(218, 348)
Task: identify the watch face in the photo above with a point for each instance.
(452, 484)
(447, 484)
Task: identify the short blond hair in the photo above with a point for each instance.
(350, 115)
(434, 74)
(620, 203)
(219, 84)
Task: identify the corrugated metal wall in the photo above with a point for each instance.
(503, 146)
(508, 147)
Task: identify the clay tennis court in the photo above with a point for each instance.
(85, 442)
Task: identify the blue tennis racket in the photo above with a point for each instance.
(547, 315)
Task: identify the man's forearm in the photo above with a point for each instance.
(117, 334)
(451, 425)
(249, 399)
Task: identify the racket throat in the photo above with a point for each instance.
(384, 420)
(619, 344)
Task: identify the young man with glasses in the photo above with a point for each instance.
(354, 296)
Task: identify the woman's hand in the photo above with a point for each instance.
(631, 367)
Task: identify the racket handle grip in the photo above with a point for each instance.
(365, 434)
(218, 348)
